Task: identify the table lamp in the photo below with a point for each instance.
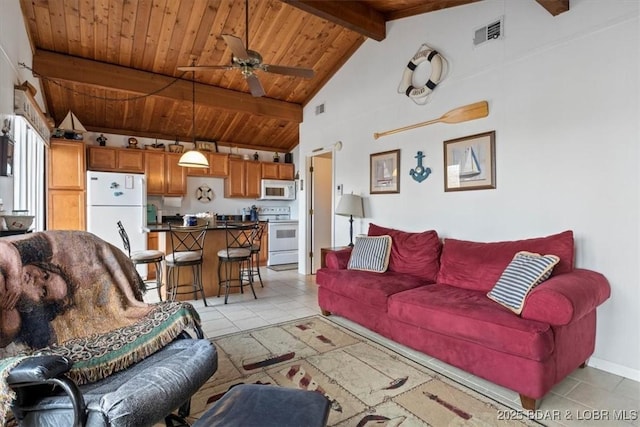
(350, 205)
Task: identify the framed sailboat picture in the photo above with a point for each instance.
(384, 172)
(470, 162)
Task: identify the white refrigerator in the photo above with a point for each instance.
(113, 197)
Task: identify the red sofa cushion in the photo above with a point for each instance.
(477, 265)
(469, 315)
(370, 288)
(417, 254)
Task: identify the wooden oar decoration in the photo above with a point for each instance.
(466, 113)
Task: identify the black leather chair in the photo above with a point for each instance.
(155, 389)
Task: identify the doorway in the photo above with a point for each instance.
(320, 234)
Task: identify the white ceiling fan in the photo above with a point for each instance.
(249, 61)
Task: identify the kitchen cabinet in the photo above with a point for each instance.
(176, 176)
(66, 185)
(164, 176)
(110, 159)
(243, 180)
(218, 166)
(155, 171)
(277, 170)
(263, 255)
(152, 243)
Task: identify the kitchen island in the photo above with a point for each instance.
(214, 241)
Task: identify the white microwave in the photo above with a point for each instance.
(277, 189)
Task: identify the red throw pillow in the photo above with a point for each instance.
(477, 265)
(417, 254)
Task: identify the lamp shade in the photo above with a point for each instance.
(193, 159)
(349, 205)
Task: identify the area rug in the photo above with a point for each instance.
(366, 383)
(284, 267)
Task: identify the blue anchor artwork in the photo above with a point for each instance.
(420, 173)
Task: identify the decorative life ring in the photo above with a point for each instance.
(420, 95)
(204, 194)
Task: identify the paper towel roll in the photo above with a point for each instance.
(172, 202)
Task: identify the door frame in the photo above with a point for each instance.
(309, 231)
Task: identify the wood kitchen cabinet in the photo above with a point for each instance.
(277, 170)
(152, 243)
(155, 171)
(243, 180)
(164, 176)
(66, 184)
(218, 166)
(175, 176)
(264, 246)
(111, 159)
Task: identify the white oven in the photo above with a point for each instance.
(283, 242)
(283, 235)
(277, 189)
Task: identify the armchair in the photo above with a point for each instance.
(79, 347)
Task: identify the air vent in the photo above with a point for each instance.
(492, 31)
(319, 109)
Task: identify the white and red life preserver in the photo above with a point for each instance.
(420, 95)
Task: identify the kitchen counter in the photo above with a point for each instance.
(164, 227)
(214, 241)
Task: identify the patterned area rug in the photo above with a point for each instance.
(367, 383)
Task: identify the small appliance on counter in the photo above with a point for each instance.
(152, 214)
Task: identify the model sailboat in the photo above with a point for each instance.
(469, 166)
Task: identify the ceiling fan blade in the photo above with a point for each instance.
(289, 71)
(236, 46)
(255, 86)
(206, 67)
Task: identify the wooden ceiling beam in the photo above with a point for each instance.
(425, 8)
(98, 74)
(353, 15)
(555, 7)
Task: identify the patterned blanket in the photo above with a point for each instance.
(71, 293)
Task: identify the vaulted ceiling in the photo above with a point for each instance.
(114, 62)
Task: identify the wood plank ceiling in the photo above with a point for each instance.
(114, 62)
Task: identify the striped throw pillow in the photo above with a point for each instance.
(370, 254)
(525, 271)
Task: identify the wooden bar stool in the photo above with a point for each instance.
(149, 256)
(237, 251)
(187, 246)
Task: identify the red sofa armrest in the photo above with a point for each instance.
(566, 297)
(338, 260)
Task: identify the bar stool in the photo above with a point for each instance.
(237, 251)
(148, 256)
(254, 264)
(187, 246)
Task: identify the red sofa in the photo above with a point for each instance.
(433, 298)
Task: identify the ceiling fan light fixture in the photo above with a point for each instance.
(193, 159)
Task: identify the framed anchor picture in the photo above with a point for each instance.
(470, 162)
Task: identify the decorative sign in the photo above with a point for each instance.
(26, 106)
(420, 173)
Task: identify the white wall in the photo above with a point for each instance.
(563, 98)
(14, 49)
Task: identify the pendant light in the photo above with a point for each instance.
(193, 158)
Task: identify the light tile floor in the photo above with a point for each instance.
(588, 397)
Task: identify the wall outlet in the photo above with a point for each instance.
(339, 189)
